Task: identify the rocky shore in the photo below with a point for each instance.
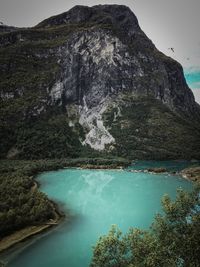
(192, 174)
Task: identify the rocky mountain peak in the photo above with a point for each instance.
(118, 15)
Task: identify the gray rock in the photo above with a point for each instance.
(98, 62)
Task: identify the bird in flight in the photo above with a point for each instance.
(172, 49)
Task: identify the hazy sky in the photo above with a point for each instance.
(168, 23)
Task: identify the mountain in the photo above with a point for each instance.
(6, 28)
(90, 82)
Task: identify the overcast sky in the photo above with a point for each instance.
(171, 23)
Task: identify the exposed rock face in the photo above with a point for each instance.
(84, 61)
(119, 16)
(100, 62)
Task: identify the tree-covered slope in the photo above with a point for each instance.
(145, 128)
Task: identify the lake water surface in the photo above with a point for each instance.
(95, 199)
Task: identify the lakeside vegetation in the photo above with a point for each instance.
(172, 240)
(21, 203)
(18, 188)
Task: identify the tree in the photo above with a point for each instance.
(172, 240)
(110, 250)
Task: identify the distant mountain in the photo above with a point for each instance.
(89, 81)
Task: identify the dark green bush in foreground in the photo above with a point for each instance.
(172, 240)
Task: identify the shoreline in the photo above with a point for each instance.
(26, 233)
(30, 231)
(20, 236)
(97, 167)
(192, 174)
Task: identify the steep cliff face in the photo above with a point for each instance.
(83, 67)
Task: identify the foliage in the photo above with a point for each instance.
(146, 129)
(45, 137)
(51, 138)
(21, 203)
(33, 167)
(110, 250)
(172, 240)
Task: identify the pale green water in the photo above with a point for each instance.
(95, 199)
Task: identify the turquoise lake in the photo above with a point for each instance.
(95, 199)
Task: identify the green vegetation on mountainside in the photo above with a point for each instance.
(145, 128)
(33, 127)
(42, 137)
(50, 138)
(30, 127)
